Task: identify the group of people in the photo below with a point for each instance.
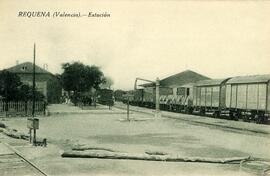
(84, 100)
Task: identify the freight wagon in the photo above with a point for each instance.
(248, 97)
(184, 99)
(209, 97)
(243, 97)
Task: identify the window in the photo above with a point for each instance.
(181, 91)
(24, 68)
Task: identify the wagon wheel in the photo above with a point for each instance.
(235, 116)
(215, 114)
(245, 118)
(257, 118)
(263, 119)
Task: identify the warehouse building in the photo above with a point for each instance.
(172, 84)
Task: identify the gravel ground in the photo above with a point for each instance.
(162, 134)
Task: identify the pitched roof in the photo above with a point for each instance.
(179, 79)
(27, 67)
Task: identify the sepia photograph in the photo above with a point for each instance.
(135, 88)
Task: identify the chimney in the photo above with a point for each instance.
(45, 67)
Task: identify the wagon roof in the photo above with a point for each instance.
(249, 79)
(211, 82)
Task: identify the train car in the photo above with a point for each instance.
(243, 97)
(118, 95)
(184, 98)
(148, 98)
(169, 102)
(105, 97)
(209, 97)
(162, 102)
(248, 97)
(138, 97)
(165, 98)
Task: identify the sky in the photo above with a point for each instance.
(146, 39)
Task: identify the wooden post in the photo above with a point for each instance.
(34, 137)
(267, 96)
(44, 108)
(128, 108)
(6, 98)
(25, 107)
(30, 135)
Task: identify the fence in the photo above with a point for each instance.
(21, 108)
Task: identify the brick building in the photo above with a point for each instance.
(46, 83)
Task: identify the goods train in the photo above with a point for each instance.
(105, 97)
(242, 97)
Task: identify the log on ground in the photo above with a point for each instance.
(147, 157)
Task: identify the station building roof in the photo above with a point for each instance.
(179, 79)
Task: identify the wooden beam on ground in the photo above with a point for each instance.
(147, 157)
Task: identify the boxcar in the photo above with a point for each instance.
(209, 97)
(247, 97)
(137, 97)
(148, 99)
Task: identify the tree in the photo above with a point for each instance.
(25, 93)
(79, 78)
(10, 83)
(12, 89)
(108, 82)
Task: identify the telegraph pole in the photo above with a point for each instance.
(34, 82)
(32, 122)
(157, 114)
(34, 88)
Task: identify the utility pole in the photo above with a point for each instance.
(34, 87)
(157, 114)
(34, 82)
(32, 122)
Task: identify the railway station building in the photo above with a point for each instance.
(46, 83)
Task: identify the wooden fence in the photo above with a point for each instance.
(21, 108)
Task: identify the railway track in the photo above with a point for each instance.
(14, 163)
